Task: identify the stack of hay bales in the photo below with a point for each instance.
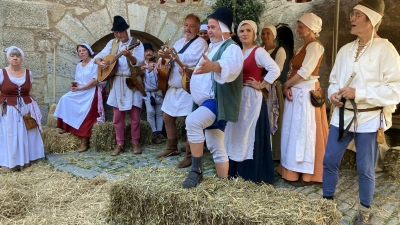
(348, 160)
(51, 121)
(155, 196)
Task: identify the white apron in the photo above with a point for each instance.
(240, 136)
(299, 130)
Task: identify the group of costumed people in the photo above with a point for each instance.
(244, 126)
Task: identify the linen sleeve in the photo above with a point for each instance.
(388, 93)
(313, 53)
(192, 55)
(280, 58)
(264, 60)
(138, 53)
(94, 71)
(334, 76)
(1, 77)
(231, 64)
(106, 51)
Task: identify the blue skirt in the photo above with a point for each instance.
(261, 167)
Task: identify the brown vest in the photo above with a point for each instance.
(298, 59)
(9, 90)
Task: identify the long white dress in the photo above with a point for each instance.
(73, 107)
(19, 146)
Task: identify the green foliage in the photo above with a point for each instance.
(243, 9)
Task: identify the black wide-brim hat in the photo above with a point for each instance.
(148, 46)
(225, 15)
(119, 24)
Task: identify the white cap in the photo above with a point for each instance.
(204, 27)
(312, 21)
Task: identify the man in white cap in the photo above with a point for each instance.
(372, 97)
(122, 97)
(216, 88)
(177, 101)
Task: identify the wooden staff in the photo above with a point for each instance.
(348, 83)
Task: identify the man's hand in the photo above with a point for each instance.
(207, 66)
(164, 54)
(347, 93)
(103, 65)
(335, 100)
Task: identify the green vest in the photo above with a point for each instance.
(228, 95)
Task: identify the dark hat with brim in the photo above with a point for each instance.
(225, 15)
(376, 5)
(119, 24)
(148, 46)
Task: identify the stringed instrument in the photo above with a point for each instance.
(112, 63)
(187, 71)
(165, 70)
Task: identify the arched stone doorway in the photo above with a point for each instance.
(142, 36)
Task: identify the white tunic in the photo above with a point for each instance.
(177, 102)
(240, 136)
(299, 127)
(73, 107)
(120, 95)
(18, 146)
(377, 83)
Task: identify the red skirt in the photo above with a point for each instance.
(85, 130)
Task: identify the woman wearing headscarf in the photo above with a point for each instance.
(18, 145)
(82, 107)
(275, 98)
(250, 151)
(305, 127)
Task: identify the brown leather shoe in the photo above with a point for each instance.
(117, 150)
(136, 148)
(84, 145)
(172, 149)
(155, 139)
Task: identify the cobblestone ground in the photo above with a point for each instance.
(89, 164)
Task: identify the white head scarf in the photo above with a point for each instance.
(373, 16)
(89, 48)
(252, 24)
(272, 28)
(204, 27)
(312, 21)
(9, 49)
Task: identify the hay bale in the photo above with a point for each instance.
(59, 143)
(103, 135)
(181, 128)
(155, 196)
(51, 121)
(391, 163)
(348, 160)
(42, 195)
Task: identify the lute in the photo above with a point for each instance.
(112, 64)
(187, 71)
(165, 70)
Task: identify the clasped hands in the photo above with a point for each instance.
(347, 93)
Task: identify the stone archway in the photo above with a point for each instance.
(142, 36)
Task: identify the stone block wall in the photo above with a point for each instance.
(48, 31)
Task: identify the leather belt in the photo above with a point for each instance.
(366, 110)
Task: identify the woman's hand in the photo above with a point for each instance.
(73, 89)
(288, 93)
(253, 83)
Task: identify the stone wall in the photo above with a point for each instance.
(48, 31)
